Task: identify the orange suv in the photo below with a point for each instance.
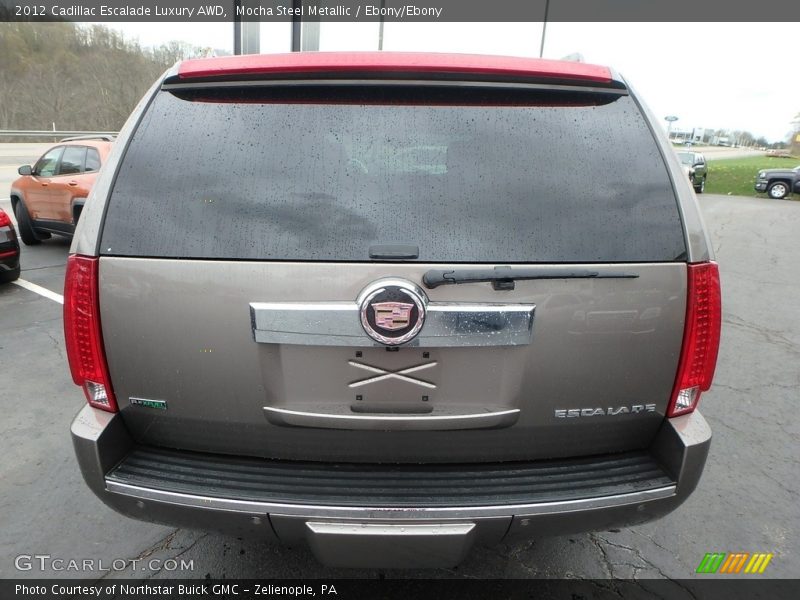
(49, 197)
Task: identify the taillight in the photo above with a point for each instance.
(87, 359)
(700, 338)
(5, 220)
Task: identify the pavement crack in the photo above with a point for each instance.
(160, 545)
(719, 420)
(460, 575)
(181, 553)
(57, 344)
(652, 566)
(58, 266)
(792, 493)
(771, 336)
(748, 277)
(656, 544)
(611, 587)
(607, 564)
(717, 234)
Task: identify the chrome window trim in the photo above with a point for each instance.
(399, 513)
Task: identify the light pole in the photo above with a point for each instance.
(380, 26)
(544, 27)
(670, 120)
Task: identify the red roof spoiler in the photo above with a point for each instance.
(392, 62)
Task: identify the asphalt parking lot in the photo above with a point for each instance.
(746, 500)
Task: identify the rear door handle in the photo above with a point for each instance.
(72, 183)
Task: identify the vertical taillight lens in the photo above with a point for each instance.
(84, 340)
(700, 338)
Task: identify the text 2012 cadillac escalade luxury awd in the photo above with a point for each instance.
(391, 305)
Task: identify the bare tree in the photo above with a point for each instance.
(78, 77)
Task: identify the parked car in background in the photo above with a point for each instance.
(49, 196)
(778, 183)
(9, 249)
(386, 320)
(695, 167)
(782, 153)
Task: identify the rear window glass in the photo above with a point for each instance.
(249, 175)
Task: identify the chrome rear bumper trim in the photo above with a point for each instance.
(343, 529)
(400, 513)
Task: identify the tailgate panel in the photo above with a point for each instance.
(181, 331)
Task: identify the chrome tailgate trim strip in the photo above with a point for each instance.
(482, 420)
(338, 324)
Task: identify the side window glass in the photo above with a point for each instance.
(46, 166)
(72, 160)
(92, 160)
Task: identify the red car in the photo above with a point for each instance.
(9, 250)
(49, 197)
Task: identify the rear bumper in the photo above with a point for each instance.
(9, 250)
(9, 260)
(381, 516)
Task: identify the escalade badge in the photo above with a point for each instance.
(612, 411)
(392, 311)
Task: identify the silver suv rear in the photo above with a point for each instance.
(391, 305)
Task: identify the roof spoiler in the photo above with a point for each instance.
(410, 66)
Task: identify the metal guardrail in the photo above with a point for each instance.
(43, 133)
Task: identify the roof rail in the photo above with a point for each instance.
(105, 138)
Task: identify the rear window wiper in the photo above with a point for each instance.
(503, 278)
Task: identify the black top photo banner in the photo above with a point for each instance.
(187, 11)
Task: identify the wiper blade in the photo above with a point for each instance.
(503, 278)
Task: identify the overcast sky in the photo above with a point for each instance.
(714, 75)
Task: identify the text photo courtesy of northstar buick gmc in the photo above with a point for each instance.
(377, 314)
